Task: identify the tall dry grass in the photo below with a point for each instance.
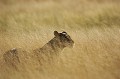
(94, 25)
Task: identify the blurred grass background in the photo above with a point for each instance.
(94, 25)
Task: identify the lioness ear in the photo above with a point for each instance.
(64, 33)
(56, 33)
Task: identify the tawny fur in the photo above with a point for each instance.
(44, 54)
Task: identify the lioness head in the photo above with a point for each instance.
(64, 39)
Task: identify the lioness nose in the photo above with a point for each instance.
(72, 41)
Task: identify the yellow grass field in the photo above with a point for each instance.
(94, 25)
